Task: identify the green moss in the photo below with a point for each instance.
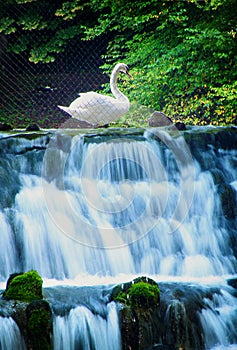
(24, 287)
(143, 294)
(121, 297)
(39, 324)
(38, 320)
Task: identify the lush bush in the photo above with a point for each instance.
(183, 58)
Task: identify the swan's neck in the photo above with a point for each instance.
(114, 88)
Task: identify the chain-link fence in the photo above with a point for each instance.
(31, 92)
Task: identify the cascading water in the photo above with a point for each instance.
(10, 336)
(81, 329)
(219, 320)
(102, 208)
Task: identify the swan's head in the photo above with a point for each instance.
(123, 68)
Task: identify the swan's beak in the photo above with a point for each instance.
(127, 72)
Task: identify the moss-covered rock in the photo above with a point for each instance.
(141, 292)
(139, 316)
(129, 327)
(38, 314)
(24, 287)
(29, 310)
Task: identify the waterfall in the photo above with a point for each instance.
(81, 329)
(10, 336)
(219, 320)
(112, 205)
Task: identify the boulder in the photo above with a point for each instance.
(139, 315)
(31, 313)
(159, 119)
(180, 126)
(5, 127)
(232, 282)
(33, 127)
(38, 322)
(24, 287)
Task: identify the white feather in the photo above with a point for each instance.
(97, 108)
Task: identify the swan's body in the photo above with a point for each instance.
(97, 108)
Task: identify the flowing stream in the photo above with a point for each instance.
(91, 210)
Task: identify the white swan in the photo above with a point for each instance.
(96, 108)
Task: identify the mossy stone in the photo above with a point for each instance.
(24, 287)
(39, 325)
(140, 313)
(141, 292)
(144, 295)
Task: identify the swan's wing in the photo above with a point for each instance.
(96, 108)
(90, 99)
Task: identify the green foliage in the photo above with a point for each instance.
(39, 318)
(38, 28)
(121, 297)
(6, 25)
(183, 59)
(24, 287)
(182, 53)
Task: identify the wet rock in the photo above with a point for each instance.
(122, 290)
(232, 282)
(73, 123)
(161, 347)
(31, 313)
(172, 323)
(18, 313)
(139, 315)
(129, 328)
(228, 201)
(180, 126)
(159, 119)
(33, 127)
(177, 322)
(218, 176)
(9, 184)
(140, 328)
(5, 127)
(38, 322)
